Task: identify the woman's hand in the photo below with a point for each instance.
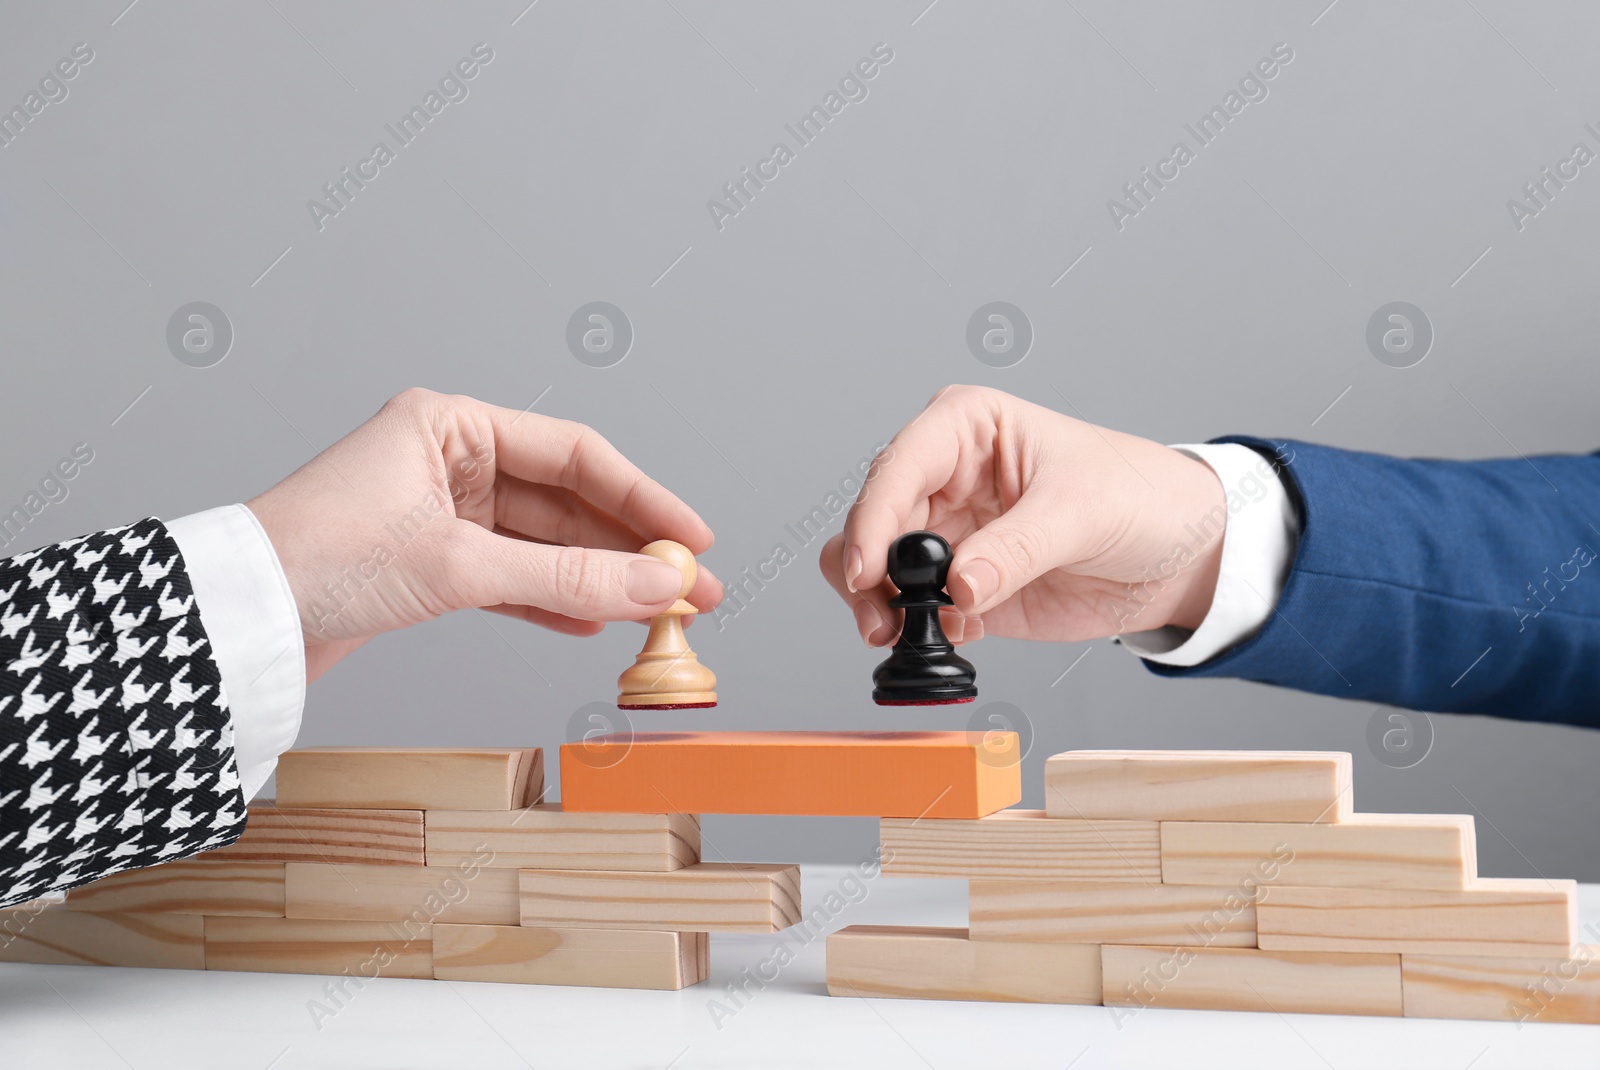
(1062, 530)
(441, 502)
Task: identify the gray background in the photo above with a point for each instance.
(771, 357)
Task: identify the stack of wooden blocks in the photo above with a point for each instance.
(1236, 880)
(423, 863)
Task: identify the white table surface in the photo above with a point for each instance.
(90, 1017)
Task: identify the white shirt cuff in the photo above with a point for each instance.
(250, 616)
(1257, 550)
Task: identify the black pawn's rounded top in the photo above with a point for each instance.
(919, 562)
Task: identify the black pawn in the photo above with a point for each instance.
(923, 669)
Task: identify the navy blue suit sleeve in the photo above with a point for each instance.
(1452, 586)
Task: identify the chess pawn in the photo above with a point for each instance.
(923, 669)
(667, 674)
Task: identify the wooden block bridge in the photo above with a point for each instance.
(1241, 880)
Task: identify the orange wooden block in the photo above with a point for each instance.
(876, 774)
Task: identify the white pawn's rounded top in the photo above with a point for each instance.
(678, 556)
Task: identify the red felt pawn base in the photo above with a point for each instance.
(667, 706)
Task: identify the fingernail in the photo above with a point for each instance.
(650, 582)
(982, 579)
(866, 620)
(955, 626)
(852, 568)
(874, 630)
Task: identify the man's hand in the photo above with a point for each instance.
(1062, 530)
(441, 502)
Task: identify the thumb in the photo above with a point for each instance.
(489, 569)
(998, 560)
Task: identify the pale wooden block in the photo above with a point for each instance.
(591, 958)
(296, 945)
(1021, 845)
(906, 962)
(1248, 979)
(545, 837)
(392, 837)
(1363, 850)
(1496, 917)
(417, 778)
(74, 938)
(1064, 912)
(395, 893)
(718, 897)
(241, 889)
(1200, 785)
(1500, 989)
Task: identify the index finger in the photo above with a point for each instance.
(561, 453)
(916, 463)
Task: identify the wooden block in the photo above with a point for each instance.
(1021, 845)
(1496, 917)
(905, 962)
(241, 889)
(546, 837)
(591, 958)
(75, 938)
(295, 945)
(878, 774)
(400, 778)
(1364, 850)
(717, 897)
(390, 837)
(1164, 914)
(464, 894)
(1247, 979)
(1501, 989)
(1199, 785)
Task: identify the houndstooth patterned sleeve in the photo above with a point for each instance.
(116, 747)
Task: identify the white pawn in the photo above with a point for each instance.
(667, 674)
